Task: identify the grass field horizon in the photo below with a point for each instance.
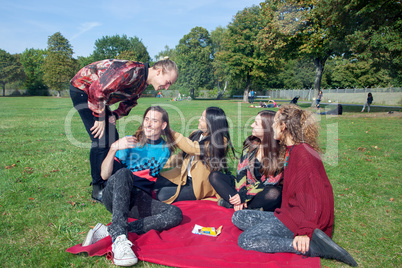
(45, 204)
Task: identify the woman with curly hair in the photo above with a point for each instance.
(202, 153)
(257, 182)
(304, 222)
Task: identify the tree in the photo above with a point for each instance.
(221, 69)
(33, 60)
(167, 52)
(245, 60)
(110, 47)
(313, 29)
(194, 60)
(10, 69)
(377, 34)
(59, 65)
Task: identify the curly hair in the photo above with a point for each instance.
(301, 125)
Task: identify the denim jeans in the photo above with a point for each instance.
(99, 147)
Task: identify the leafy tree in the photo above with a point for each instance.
(221, 69)
(84, 61)
(33, 60)
(167, 52)
(194, 60)
(377, 35)
(245, 60)
(110, 47)
(59, 65)
(313, 29)
(349, 73)
(10, 69)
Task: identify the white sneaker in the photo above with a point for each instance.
(94, 235)
(123, 255)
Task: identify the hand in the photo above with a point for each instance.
(235, 200)
(98, 129)
(240, 207)
(112, 120)
(301, 243)
(125, 143)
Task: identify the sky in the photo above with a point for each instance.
(29, 23)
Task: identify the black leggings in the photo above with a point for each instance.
(166, 189)
(269, 198)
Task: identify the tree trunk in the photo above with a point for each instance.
(319, 69)
(4, 90)
(245, 94)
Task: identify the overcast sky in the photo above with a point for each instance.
(29, 23)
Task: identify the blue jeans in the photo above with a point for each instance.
(99, 147)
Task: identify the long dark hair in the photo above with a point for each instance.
(270, 161)
(214, 154)
(166, 133)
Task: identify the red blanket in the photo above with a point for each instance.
(179, 247)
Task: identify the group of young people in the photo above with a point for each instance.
(281, 195)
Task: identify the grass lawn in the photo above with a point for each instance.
(45, 204)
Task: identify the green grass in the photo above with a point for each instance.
(45, 204)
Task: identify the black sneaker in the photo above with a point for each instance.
(223, 203)
(322, 246)
(97, 192)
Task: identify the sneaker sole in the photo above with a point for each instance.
(88, 238)
(127, 262)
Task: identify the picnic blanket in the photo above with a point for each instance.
(179, 247)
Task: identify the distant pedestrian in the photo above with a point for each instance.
(318, 100)
(251, 96)
(368, 103)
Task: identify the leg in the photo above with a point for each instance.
(244, 219)
(152, 214)
(263, 232)
(223, 184)
(167, 189)
(118, 199)
(99, 147)
(269, 199)
(269, 236)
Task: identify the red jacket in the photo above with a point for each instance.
(107, 82)
(307, 197)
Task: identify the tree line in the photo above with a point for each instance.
(277, 44)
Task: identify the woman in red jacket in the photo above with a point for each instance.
(303, 224)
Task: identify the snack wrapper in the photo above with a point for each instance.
(209, 231)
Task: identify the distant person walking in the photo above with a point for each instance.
(103, 83)
(318, 100)
(251, 96)
(368, 102)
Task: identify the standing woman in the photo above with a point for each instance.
(103, 83)
(203, 152)
(318, 100)
(368, 103)
(304, 222)
(257, 182)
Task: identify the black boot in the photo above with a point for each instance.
(223, 203)
(97, 192)
(321, 245)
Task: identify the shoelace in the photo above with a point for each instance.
(124, 246)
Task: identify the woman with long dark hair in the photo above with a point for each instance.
(203, 152)
(256, 184)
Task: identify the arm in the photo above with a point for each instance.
(121, 144)
(186, 145)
